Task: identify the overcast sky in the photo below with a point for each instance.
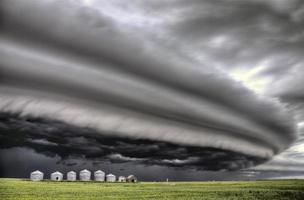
(191, 90)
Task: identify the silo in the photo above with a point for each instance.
(111, 178)
(99, 175)
(71, 176)
(56, 176)
(122, 179)
(85, 175)
(36, 176)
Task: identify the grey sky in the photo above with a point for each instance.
(219, 74)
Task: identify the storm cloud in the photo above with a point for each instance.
(155, 87)
(53, 138)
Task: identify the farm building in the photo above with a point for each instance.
(36, 176)
(111, 178)
(99, 175)
(131, 179)
(85, 175)
(56, 176)
(71, 176)
(122, 179)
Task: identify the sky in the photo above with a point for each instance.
(185, 90)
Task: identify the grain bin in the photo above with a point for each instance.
(36, 176)
(71, 176)
(85, 175)
(111, 178)
(56, 176)
(99, 175)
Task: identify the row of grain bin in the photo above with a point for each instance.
(84, 175)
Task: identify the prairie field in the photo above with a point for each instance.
(272, 189)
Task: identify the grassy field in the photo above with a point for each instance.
(24, 189)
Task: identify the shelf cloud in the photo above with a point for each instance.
(54, 138)
(77, 81)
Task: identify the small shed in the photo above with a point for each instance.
(85, 175)
(111, 178)
(122, 179)
(71, 176)
(99, 175)
(56, 176)
(132, 179)
(36, 175)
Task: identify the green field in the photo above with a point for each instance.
(24, 189)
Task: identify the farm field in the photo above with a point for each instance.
(276, 189)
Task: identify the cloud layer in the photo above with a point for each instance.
(53, 138)
(160, 83)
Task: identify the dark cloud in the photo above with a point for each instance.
(56, 139)
(26, 160)
(151, 82)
